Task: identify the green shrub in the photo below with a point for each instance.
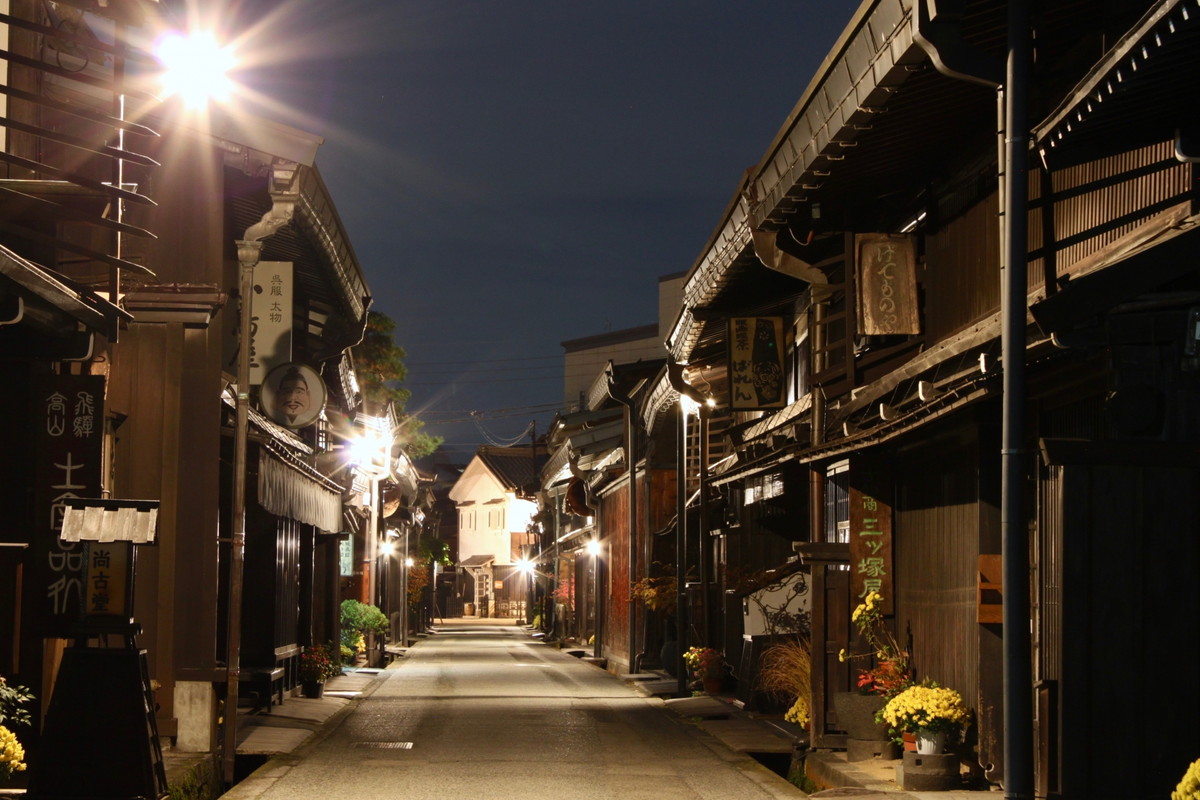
(359, 619)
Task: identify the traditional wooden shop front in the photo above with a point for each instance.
(887, 167)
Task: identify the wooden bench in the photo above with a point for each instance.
(261, 681)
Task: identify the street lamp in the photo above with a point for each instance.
(195, 68)
(526, 568)
(593, 549)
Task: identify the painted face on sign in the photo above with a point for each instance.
(292, 397)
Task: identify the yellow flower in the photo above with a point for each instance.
(842, 655)
(12, 755)
(926, 706)
(798, 713)
(1189, 787)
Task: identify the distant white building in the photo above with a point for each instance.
(585, 358)
(495, 503)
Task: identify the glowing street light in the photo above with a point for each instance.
(195, 67)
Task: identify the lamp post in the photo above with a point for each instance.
(525, 568)
(404, 606)
(593, 548)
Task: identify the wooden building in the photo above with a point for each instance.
(846, 320)
(145, 391)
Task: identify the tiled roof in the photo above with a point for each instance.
(516, 467)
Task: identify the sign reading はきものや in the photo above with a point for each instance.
(886, 272)
(68, 415)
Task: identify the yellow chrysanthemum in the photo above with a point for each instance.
(931, 707)
(1189, 787)
(12, 755)
(798, 713)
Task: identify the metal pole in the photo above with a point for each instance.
(703, 557)
(284, 194)
(404, 592)
(248, 257)
(681, 555)
(1018, 677)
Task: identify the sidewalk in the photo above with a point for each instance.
(769, 740)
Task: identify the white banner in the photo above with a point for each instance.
(270, 318)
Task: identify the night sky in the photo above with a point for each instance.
(518, 173)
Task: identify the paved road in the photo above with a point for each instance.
(484, 712)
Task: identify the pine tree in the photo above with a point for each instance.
(379, 364)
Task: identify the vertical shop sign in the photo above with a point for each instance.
(107, 573)
(270, 318)
(870, 548)
(756, 374)
(68, 415)
(886, 271)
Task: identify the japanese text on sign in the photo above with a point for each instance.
(870, 547)
(69, 449)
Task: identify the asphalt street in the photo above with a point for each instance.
(484, 711)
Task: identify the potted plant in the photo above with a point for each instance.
(658, 594)
(707, 667)
(785, 671)
(885, 677)
(12, 754)
(318, 664)
(360, 620)
(932, 713)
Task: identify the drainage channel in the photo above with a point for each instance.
(383, 745)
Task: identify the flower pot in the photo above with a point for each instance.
(910, 741)
(856, 715)
(930, 743)
(314, 689)
(712, 685)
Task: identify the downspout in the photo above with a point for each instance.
(685, 389)
(1018, 672)
(703, 566)
(681, 608)
(631, 451)
(942, 41)
(593, 503)
(285, 192)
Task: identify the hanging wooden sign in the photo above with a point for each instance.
(886, 271)
(756, 369)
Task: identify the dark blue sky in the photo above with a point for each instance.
(516, 173)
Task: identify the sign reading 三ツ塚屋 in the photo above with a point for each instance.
(756, 374)
(870, 548)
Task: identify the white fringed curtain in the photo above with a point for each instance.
(287, 491)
